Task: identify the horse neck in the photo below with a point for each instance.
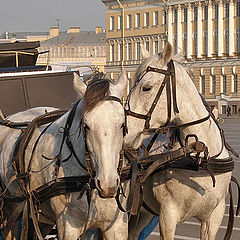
(76, 137)
(191, 108)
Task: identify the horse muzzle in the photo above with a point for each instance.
(105, 191)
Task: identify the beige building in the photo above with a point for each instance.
(73, 48)
(139, 22)
(208, 34)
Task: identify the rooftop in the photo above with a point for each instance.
(73, 39)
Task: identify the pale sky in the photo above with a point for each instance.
(40, 15)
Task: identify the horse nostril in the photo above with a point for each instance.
(99, 185)
(118, 182)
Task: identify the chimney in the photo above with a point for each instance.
(74, 30)
(54, 32)
(98, 30)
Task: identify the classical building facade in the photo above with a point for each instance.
(208, 34)
(127, 26)
(74, 48)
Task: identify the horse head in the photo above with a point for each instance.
(142, 95)
(103, 121)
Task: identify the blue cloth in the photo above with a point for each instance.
(148, 229)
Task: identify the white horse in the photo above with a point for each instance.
(103, 120)
(176, 194)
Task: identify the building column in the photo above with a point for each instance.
(220, 28)
(231, 28)
(179, 27)
(169, 30)
(210, 30)
(189, 31)
(199, 31)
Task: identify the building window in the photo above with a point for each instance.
(238, 9)
(120, 51)
(205, 42)
(224, 109)
(185, 11)
(185, 43)
(111, 52)
(119, 22)
(111, 26)
(202, 85)
(224, 83)
(137, 20)
(147, 44)
(227, 40)
(111, 75)
(155, 18)
(216, 11)
(195, 11)
(235, 83)
(146, 19)
(155, 47)
(216, 41)
(129, 51)
(175, 15)
(205, 12)
(213, 84)
(137, 51)
(238, 40)
(129, 21)
(175, 43)
(226, 15)
(164, 13)
(195, 43)
(234, 109)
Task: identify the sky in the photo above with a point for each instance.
(40, 15)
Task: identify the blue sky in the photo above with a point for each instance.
(39, 16)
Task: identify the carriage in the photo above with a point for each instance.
(206, 169)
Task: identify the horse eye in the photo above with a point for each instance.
(147, 88)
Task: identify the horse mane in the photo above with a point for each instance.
(97, 90)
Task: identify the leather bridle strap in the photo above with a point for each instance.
(89, 164)
(169, 74)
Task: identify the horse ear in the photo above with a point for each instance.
(121, 87)
(145, 53)
(167, 53)
(79, 85)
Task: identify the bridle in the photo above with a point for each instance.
(169, 79)
(89, 164)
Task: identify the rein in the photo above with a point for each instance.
(32, 197)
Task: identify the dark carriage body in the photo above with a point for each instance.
(27, 54)
(27, 90)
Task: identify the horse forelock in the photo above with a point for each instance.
(147, 62)
(142, 68)
(96, 91)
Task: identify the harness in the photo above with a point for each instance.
(31, 198)
(187, 156)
